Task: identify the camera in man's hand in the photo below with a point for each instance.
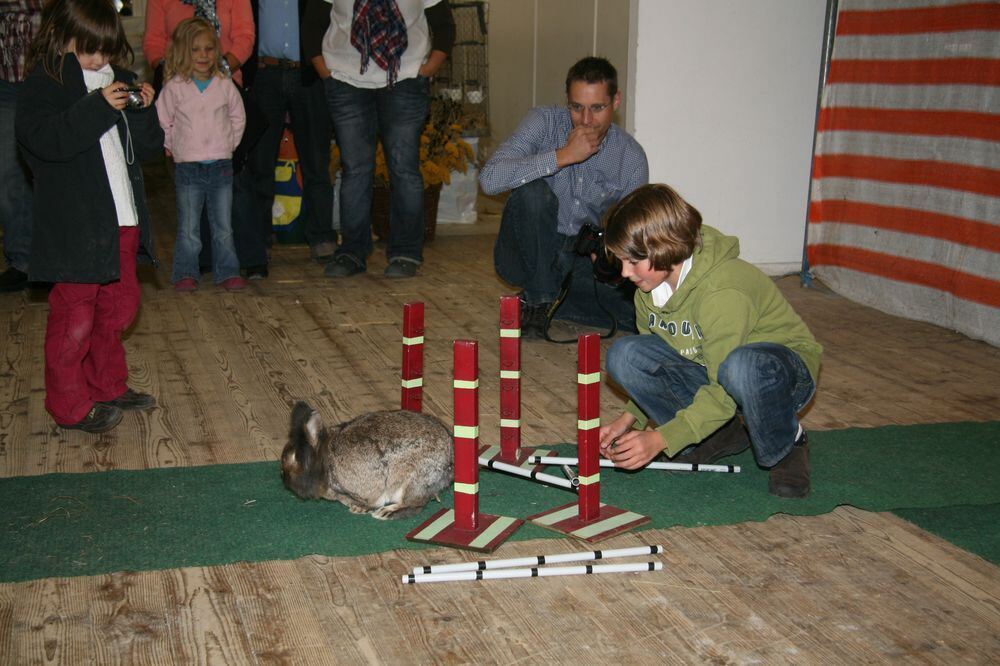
(135, 100)
(590, 241)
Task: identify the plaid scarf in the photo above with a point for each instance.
(378, 31)
(205, 9)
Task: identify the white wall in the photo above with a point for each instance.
(724, 104)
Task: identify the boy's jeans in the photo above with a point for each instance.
(769, 383)
(210, 186)
(397, 115)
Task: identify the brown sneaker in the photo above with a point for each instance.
(728, 440)
(790, 477)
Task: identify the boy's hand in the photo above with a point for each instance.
(116, 94)
(609, 433)
(635, 449)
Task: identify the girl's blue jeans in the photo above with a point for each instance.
(769, 383)
(208, 186)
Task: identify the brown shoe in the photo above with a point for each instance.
(790, 477)
(728, 440)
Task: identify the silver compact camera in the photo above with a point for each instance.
(135, 100)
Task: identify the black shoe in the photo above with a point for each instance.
(728, 440)
(533, 319)
(257, 272)
(790, 477)
(100, 418)
(400, 268)
(343, 266)
(131, 401)
(13, 280)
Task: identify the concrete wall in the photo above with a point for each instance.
(724, 104)
(532, 43)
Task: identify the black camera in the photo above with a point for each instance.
(135, 100)
(590, 241)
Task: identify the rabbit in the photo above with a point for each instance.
(387, 463)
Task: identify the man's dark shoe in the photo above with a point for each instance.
(131, 401)
(257, 272)
(342, 266)
(533, 318)
(100, 418)
(401, 268)
(728, 440)
(790, 477)
(13, 280)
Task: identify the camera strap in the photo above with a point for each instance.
(563, 292)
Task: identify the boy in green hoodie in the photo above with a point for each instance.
(717, 340)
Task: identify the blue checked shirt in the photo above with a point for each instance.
(586, 190)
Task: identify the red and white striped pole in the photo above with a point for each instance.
(510, 378)
(588, 425)
(412, 391)
(466, 434)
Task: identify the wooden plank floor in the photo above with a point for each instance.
(848, 587)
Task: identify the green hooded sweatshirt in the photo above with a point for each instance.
(723, 303)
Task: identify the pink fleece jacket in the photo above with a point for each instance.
(199, 126)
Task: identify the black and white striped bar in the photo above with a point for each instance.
(533, 572)
(538, 560)
(676, 467)
(569, 484)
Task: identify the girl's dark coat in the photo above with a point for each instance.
(59, 127)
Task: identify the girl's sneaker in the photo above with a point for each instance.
(186, 285)
(234, 283)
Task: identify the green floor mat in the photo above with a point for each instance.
(974, 528)
(84, 524)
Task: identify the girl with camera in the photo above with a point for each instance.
(202, 116)
(90, 219)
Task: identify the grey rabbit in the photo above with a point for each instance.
(387, 463)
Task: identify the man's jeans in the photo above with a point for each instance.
(15, 191)
(277, 89)
(769, 383)
(396, 115)
(530, 253)
(208, 186)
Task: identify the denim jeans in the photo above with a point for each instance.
(210, 187)
(277, 90)
(769, 383)
(530, 253)
(15, 193)
(396, 115)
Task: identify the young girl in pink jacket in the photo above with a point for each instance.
(202, 116)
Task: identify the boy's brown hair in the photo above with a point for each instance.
(179, 61)
(93, 25)
(655, 223)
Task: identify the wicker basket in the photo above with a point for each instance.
(381, 206)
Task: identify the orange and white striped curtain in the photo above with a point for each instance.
(904, 211)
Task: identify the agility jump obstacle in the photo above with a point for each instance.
(533, 572)
(588, 518)
(669, 466)
(464, 526)
(538, 560)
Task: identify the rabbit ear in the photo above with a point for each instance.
(312, 429)
(306, 425)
